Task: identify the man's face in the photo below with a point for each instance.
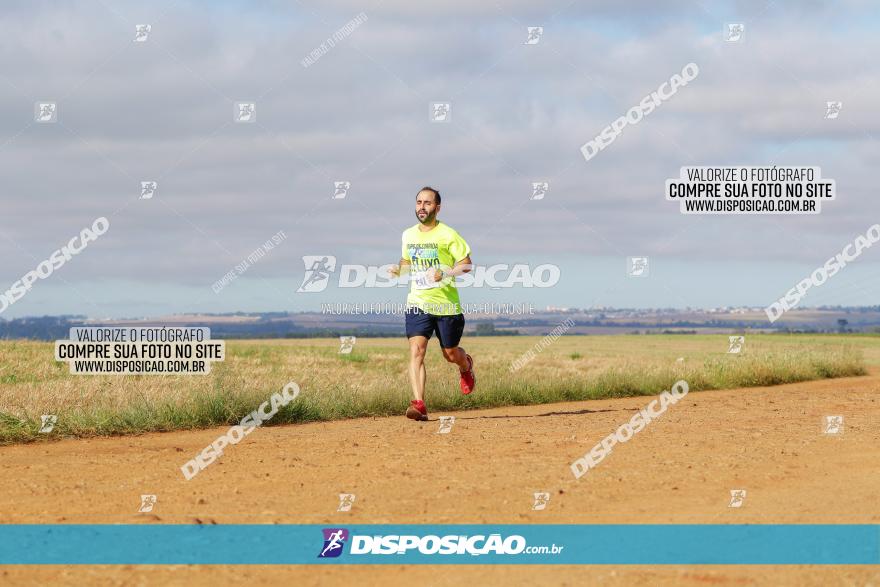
(426, 208)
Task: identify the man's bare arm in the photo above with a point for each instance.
(463, 266)
(402, 268)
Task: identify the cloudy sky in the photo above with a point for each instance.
(163, 110)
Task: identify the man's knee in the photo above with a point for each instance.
(451, 355)
(417, 352)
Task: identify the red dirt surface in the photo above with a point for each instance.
(679, 469)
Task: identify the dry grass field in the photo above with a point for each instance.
(372, 380)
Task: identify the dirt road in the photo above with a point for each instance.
(679, 469)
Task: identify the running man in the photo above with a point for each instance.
(434, 254)
(320, 270)
(334, 542)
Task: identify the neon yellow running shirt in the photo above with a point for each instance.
(439, 248)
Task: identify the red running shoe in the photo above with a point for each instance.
(417, 410)
(468, 379)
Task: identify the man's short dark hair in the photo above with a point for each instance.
(428, 188)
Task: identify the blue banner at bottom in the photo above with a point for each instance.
(253, 544)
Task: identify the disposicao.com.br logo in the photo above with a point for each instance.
(334, 541)
(319, 268)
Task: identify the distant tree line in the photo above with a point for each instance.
(273, 325)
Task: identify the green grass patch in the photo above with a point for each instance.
(373, 381)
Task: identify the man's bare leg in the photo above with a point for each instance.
(458, 356)
(418, 346)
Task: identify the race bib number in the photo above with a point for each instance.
(422, 280)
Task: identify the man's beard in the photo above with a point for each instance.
(429, 218)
